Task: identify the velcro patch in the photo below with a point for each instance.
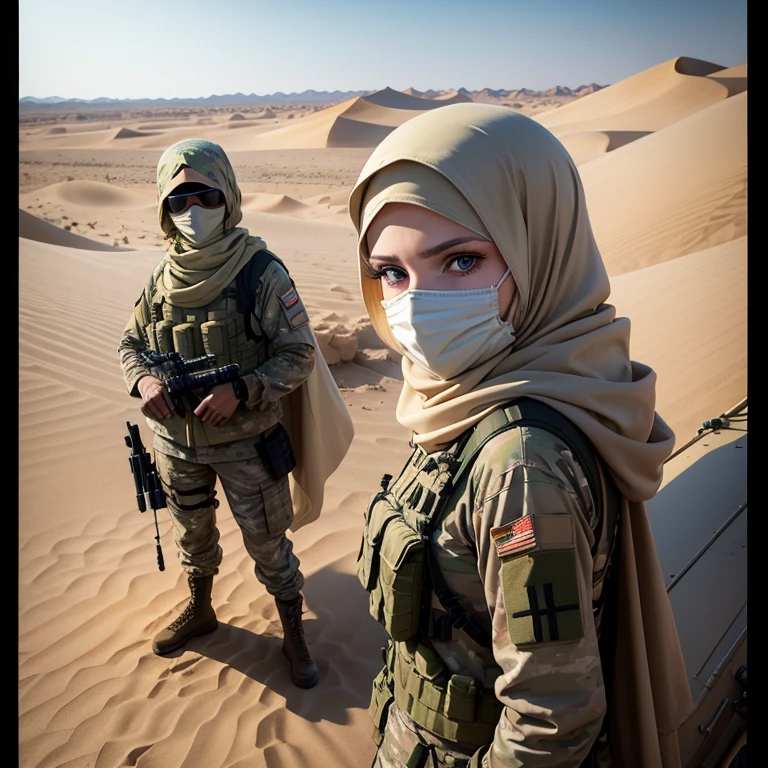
(294, 309)
(533, 532)
(541, 596)
(302, 318)
(289, 298)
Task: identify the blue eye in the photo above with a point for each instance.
(463, 265)
(392, 274)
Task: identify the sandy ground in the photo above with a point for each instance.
(663, 158)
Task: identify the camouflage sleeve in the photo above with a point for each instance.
(132, 343)
(533, 541)
(284, 322)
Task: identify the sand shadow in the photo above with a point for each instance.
(344, 640)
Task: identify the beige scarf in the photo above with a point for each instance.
(193, 277)
(503, 175)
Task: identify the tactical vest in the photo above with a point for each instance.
(397, 565)
(226, 327)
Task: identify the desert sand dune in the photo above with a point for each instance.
(689, 323)
(68, 126)
(733, 78)
(335, 199)
(130, 133)
(584, 146)
(646, 101)
(360, 122)
(75, 139)
(161, 126)
(392, 99)
(32, 227)
(275, 204)
(452, 96)
(663, 158)
(285, 205)
(94, 194)
(702, 201)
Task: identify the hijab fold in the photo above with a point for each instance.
(503, 175)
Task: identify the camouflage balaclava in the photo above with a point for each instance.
(193, 276)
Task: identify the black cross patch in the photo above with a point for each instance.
(541, 596)
(550, 610)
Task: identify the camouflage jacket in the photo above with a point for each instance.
(516, 545)
(271, 368)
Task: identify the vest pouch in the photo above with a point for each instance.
(451, 706)
(382, 695)
(187, 340)
(220, 338)
(400, 578)
(379, 514)
(160, 336)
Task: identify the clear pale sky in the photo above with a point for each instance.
(159, 49)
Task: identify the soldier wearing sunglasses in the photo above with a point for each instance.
(192, 304)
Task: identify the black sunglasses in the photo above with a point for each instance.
(208, 198)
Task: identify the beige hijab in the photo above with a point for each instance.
(506, 177)
(193, 275)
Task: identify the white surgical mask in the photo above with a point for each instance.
(199, 224)
(449, 332)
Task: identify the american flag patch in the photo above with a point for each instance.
(513, 538)
(289, 298)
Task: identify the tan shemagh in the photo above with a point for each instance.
(193, 277)
(484, 163)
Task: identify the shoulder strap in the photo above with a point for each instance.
(526, 412)
(246, 281)
(523, 412)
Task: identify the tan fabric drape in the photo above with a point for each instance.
(487, 164)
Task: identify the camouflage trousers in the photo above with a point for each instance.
(402, 736)
(261, 506)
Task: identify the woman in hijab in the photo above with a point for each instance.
(511, 561)
(271, 437)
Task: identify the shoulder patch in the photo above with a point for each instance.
(535, 531)
(289, 298)
(539, 579)
(293, 308)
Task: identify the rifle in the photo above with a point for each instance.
(148, 487)
(184, 377)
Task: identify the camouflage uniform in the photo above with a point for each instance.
(190, 455)
(515, 545)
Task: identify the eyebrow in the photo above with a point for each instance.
(435, 249)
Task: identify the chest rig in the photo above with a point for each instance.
(226, 327)
(398, 566)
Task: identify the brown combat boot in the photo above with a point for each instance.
(198, 618)
(303, 670)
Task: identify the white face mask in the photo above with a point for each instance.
(199, 224)
(449, 332)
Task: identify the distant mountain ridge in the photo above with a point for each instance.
(309, 96)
